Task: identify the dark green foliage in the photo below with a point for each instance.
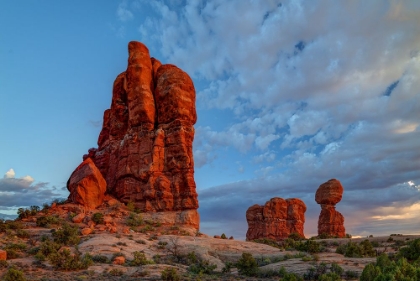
(351, 274)
(3, 264)
(21, 233)
(227, 268)
(309, 246)
(223, 236)
(134, 220)
(98, 218)
(199, 266)
(412, 251)
(170, 274)
(353, 250)
(48, 247)
(295, 236)
(335, 268)
(385, 269)
(139, 259)
(6, 225)
(64, 260)
(314, 273)
(269, 242)
(116, 272)
(14, 274)
(331, 276)
(247, 265)
(46, 221)
(67, 235)
(100, 259)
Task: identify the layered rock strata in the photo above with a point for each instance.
(145, 145)
(276, 220)
(331, 222)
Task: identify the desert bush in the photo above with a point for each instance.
(385, 269)
(223, 236)
(48, 247)
(309, 246)
(100, 259)
(64, 260)
(14, 274)
(46, 221)
(140, 259)
(350, 274)
(7, 225)
(335, 268)
(98, 218)
(3, 264)
(295, 236)
(352, 249)
(21, 233)
(67, 235)
(131, 206)
(247, 265)
(147, 228)
(269, 242)
(412, 251)
(202, 267)
(315, 272)
(134, 220)
(170, 274)
(331, 276)
(116, 272)
(228, 267)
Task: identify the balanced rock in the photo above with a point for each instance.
(331, 222)
(86, 185)
(145, 145)
(276, 220)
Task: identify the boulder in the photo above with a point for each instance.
(276, 220)
(331, 222)
(86, 185)
(3, 255)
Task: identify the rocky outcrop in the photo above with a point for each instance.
(145, 145)
(276, 220)
(331, 222)
(86, 185)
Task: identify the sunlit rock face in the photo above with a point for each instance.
(331, 222)
(276, 220)
(145, 145)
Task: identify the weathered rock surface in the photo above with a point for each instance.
(145, 146)
(331, 222)
(276, 220)
(86, 185)
(3, 255)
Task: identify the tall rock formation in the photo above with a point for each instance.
(276, 220)
(145, 146)
(331, 222)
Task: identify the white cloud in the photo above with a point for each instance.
(9, 174)
(123, 13)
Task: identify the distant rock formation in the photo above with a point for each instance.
(86, 185)
(331, 222)
(276, 220)
(145, 146)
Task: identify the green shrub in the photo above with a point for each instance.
(350, 274)
(134, 220)
(139, 259)
(353, 250)
(46, 221)
(98, 218)
(130, 206)
(48, 247)
(223, 236)
(3, 264)
(295, 236)
(116, 272)
(202, 267)
(309, 246)
(100, 259)
(21, 233)
(170, 274)
(247, 265)
(412, 251)
(227, 268)
(335, 268)
(269, 242)
(12, 254)
(64, 260)
(67, 235)
(331, 276)
(14, 274)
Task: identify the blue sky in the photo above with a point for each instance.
(289, 95)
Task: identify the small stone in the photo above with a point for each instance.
(119, 260)
(78, 218)
(3, 255)
(86, 231)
